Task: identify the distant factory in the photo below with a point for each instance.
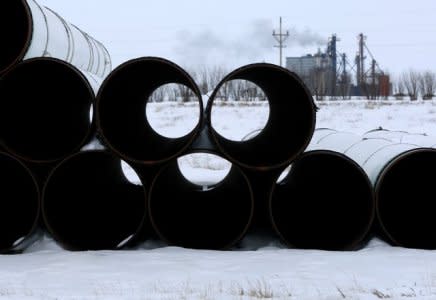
(329, 73)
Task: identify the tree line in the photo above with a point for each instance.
(207, 79)
(414, 84)
(410, 84)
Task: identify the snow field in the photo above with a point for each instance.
(261, 268)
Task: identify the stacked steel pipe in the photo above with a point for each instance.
(181, 212)
(323, 192)
(50, 72)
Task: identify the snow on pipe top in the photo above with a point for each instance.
(30, 30)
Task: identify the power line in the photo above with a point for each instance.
(280, 38)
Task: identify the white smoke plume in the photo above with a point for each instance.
(250, 45)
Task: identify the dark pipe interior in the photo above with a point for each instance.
(88, 204)
(15, 32)
(121, 110)
(186, 215)
(406, 199)
(44, 110)
(19, 202)
(325, 202)
(291, 119)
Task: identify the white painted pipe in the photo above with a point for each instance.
(401, 174)
(30, 30)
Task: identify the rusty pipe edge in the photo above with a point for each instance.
(189, 215)
(88, 204)
(405, 199)
(19, 205)
(121, 104)
(325, 202)
(45, 106)
(30, 30)
(290, 125)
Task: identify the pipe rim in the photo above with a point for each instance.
(358, 240)
(35, 223)
(53, 232)
(28, 38)
(379, 184)
(190, 136)
(217, 185)
(91, 128)
(216, 137)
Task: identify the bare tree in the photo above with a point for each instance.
(410, 80)
(427, 85)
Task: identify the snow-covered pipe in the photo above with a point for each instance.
(88, 204)
(205, 216)
(326, 200)
(30, 30)
(19, 205)
(121, 105)
(420, 139)
(290, 125)
(403, 187)
(46, 110)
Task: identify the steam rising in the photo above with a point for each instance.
(252, 44)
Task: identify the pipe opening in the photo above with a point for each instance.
(405, 199)
(186, 215)
(19, 205)
(121, 104)
(240, 110)
(325, 202)
(290, 124)
(15, 30)
(170, 110)
(45, 110)
(88, 204)
(203, 169)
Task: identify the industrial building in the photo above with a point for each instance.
(329, 73)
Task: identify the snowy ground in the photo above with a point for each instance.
(262, 269)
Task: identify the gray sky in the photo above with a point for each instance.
(400, 34)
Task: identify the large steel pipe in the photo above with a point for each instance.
(30, 30)
(200, 215)
(88, 204)
(45, 110)
(404, 190)
(290, 125)
(404, 137)
(19, 205)
(325, 202)
(121, 105)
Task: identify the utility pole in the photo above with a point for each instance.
(280, 38)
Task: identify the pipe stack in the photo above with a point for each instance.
(50, 73)
(183, 213)
(318, 189)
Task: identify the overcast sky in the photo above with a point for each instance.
(400, 34)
